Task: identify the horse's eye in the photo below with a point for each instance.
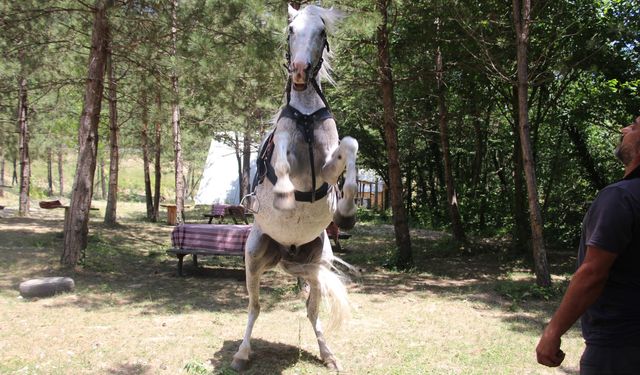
(290, 29)
(323, 33)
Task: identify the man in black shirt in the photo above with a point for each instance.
(605, 289)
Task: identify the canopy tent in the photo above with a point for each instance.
(220, 182)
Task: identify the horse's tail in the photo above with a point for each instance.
(334, 293)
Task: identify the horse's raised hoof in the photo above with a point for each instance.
(284, 201)
(240, 364)
(345, 222)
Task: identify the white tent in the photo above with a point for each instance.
(220, 182)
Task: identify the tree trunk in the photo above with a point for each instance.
(521, 18)
(452, 199)
(157, 163)
(144, 144)
(14, 176)
(2, 174)
(110, 215)
(520, 210)
(175, 117)
(246, 163)
(239, 158)
(404, 258)
(25, 162)
(60, 172)
(49, 173)
(103, 188)
(77, 220)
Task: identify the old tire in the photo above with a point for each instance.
(46, 286)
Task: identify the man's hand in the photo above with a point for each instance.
(548, 350)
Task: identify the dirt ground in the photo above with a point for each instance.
(131, 314)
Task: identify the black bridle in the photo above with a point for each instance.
(314, 73)
(304, 123)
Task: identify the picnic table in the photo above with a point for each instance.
(49, 205)
(205, 239)
(220, 211)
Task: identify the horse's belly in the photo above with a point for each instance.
(296, 227)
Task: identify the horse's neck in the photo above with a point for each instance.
(307, 101)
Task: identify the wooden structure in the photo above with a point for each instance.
(372, 194)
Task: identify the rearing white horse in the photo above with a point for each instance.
(298, 197)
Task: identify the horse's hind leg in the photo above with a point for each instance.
(313, 304)
(344, 157)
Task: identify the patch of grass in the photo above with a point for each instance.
(131, 314)
(371, 216)
(519, 291)
(196, 368)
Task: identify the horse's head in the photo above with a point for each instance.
(307, 38)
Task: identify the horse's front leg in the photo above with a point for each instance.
(283, 190)
(344, 157)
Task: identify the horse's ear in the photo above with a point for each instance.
(292, 12)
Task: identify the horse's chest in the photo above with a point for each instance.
(293, 227)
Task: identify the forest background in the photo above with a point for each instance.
(178, 73)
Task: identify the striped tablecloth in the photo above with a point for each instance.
(214, 239)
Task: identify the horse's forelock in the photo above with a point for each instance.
(330, 17)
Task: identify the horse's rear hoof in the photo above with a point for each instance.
(345, 222)
(332, 364)
(284, 201)
(240, 364)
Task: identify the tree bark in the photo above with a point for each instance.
(452, 199)
(246, 163)
(103, 188)
(144, 144)
(2, 164)
(157, 163)
(520, 210)
(110, 215)
(25, 162)
(49, 173)
(404, 259)
(77, 220)
(175, 117)
(14, 176)
(239, 158)
(60, 172)
(522, 20)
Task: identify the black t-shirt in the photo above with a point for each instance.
(613, 224)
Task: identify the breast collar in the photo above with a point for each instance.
(306, 125)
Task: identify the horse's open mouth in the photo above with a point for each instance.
(299, 86)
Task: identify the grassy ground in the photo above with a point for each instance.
(459, 312)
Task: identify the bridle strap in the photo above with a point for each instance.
(305, 124)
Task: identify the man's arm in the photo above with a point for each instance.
(585, 287)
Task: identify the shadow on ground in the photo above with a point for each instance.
(266, 357)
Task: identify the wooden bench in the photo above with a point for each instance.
(220, 211)
(205, 239)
